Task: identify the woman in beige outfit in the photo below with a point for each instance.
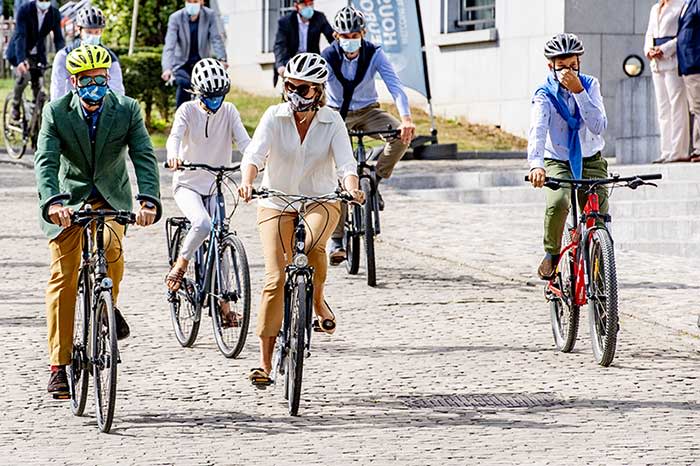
(671, 102)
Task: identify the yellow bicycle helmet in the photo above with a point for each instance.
(88, 57)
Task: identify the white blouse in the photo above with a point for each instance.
(664, 25)
(310, 168)
(199, 137)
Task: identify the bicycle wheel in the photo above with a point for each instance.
(234, 291)
(78, 369)
(14, 131)
(564, 313)
(106, 357)
(368, 211)
(352, 239)
(602, 304)
(301, 307)
(185, 313)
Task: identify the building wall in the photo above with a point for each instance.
(484, 78)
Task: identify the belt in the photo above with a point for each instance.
(662, 40)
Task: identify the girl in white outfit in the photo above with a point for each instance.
(203, 132)
(671, 102)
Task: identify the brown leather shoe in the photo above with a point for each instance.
(58, 384)
(548, 267)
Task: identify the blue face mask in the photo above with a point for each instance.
(91, 39)
(192, 9)
(307, 12)
(93, 94)
(350, 45)
(43, 6)
(213, 104)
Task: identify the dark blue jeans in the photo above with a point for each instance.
(183, 77)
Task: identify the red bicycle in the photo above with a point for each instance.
(586, 273)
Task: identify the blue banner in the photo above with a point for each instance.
(394, 25)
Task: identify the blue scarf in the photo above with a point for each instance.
(553, 90)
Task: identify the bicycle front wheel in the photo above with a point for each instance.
(301, 307)
(602, 303)
(230, 298)
(353, 225)
(369, 231)
(15, 131)
(106, 357)
(564, 313)
(78, 369)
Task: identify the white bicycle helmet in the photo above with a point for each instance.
(563, 44)
(348, 20)
(309, 67)
(91, 17)
(209, 78)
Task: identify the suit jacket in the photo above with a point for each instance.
(287, 38)
(177, 39)
(27, 34)
(688, 45)
(65, 162)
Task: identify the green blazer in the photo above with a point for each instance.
(65, 163)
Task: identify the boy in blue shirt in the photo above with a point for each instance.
(566, 138)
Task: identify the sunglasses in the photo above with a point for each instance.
(301, 89)
(85, 81)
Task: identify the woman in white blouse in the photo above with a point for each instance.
(305, 149)
(671, 102)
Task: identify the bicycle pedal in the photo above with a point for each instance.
(61, 396)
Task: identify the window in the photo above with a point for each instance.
(272, 11)
(468, 15)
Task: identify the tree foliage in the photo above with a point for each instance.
(152, 22)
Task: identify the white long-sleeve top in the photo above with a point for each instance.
(549, 132)
(310, 168)
(200, 137)
(663, 25)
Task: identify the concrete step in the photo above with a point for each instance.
(683, 190)
(670, 248)
(475, 180)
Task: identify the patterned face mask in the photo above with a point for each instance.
(93, 94)
(300, 104)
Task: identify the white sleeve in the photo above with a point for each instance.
(177, 133)
(540, 116)
(59, 76)
(258, 150)
(341, 148)
(238, 131)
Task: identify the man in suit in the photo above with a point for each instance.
(27, 51)
(688, 51)
(299, 31)
(193, 34)
(81, 151)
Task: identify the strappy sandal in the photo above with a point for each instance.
(231, 319)
(259, 378)
(174, 278)
(327, 325)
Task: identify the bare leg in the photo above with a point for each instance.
(267, 346)
(179, 267)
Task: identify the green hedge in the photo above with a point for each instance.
(142, 81)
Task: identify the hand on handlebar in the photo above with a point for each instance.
(146, 216)
(357, 195)
(537, 177)
(408, 130)
(60, 215)
(245, 191)
(174, 163)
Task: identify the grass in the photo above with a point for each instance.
(468, 136)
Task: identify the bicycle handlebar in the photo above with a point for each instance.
(122, 216)
(264, 193)
(385, 132)
(204, 166)
(632, 182)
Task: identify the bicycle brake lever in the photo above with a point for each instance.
(552, 185)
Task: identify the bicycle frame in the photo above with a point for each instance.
(366, 170)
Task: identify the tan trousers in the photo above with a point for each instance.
(61, 291)
(692, 87)
(276, 235)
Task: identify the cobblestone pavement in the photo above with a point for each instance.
(456, 313)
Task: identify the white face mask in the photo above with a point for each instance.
(43, 6)
(192, 8)
(91, 39)
(350, 45)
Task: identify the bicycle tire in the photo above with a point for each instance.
(106, 358)
(603, 319)
(78, 369)
(300, 301)
(352, 239)
(565, 317)
(368, 211)
(13, 150)
(185, 324)
(232, 247)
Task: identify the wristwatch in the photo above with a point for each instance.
(148, 205)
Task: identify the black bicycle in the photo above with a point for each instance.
(294, 340)
(218, 278)
(24, 131)
(95, 348)
(586, 274)
(363, 220)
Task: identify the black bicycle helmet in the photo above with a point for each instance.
(91, 18)
(349, 20)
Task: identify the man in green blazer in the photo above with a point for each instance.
(81, 151)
